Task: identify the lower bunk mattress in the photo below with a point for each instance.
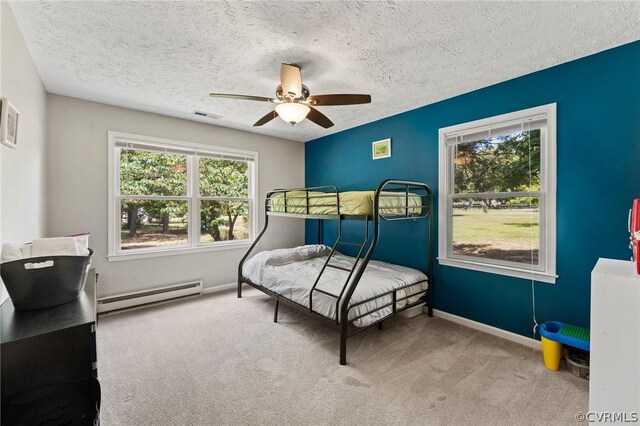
(291, 273)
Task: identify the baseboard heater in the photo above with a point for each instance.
(153, 295)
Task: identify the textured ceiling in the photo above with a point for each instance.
(165, 57)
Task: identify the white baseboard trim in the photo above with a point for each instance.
(205, 290)
(149, 296)
(146, 305)
(217, 288)
(513, 337)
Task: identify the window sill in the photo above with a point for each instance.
(147, 254)
(500, 270)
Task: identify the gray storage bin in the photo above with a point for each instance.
(61, 282)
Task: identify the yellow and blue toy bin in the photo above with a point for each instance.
(553, 334)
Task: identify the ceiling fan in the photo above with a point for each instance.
(295, 102)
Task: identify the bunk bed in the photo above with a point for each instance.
(352, 293)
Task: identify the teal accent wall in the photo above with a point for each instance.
(598, 150)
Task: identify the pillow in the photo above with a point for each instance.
(298, 254)
(253, 269)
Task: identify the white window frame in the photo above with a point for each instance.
(547, 201)
(193, 197)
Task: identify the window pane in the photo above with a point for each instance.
(224, 220)
(153, 224)
(152, 173)
(223, 178)
(499, 164)
(505, 229)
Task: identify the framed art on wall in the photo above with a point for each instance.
(381, 149)
(8, 124)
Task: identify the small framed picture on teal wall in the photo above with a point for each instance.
(381, 149)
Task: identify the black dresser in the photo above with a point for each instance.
(48, 359)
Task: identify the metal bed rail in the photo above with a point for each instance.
(352, 329)
(285, 202)
(327, 194)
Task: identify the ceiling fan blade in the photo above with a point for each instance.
(267, 118)
(242, 97)
(319, 118)
(322, 100)
(291, 79)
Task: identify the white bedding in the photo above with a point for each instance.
(292, 276)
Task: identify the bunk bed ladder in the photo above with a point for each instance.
(328, 264)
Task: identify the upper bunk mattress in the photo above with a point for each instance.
(291, 273)
(352, 203)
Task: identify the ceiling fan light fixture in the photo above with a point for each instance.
(292, 112)
(294, 102)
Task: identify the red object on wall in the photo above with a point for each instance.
(634, 229)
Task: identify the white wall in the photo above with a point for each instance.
(3, 291)
(22, 170)
(77, 188)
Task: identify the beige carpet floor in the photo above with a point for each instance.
(220, 360)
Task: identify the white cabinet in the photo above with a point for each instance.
(614, 384)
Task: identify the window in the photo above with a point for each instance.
(168, 195)
(497, 194)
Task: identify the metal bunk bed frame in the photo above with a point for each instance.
(342, 321)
